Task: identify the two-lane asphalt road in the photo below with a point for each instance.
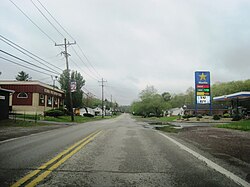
(116, 152)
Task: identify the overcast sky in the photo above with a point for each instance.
(134, 43)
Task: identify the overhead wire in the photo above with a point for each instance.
(32, 21)
(47, 19)
(8, 42)
(70, 37)
(82, 61)
(24, 66)
(83, 70)
(13, 56)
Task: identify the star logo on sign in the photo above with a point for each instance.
(203, 77)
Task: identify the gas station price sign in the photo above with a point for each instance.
(202, 87)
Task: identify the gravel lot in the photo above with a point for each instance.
(231, 146)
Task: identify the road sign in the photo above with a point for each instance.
(202, 87)
(73, 86)
(203, 99)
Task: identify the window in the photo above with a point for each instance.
(55, 102)
(49, 101)
(22, 95)
(41, 100)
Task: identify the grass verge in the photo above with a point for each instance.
(168, 119)
(167, 129)
(239, 125)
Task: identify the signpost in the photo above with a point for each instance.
(202, 89)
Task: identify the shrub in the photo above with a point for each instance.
(216, 117)
(236, 117)
(54, 113)
(226, 115)
(199, 116)
(187, 116)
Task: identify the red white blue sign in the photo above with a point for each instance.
(202, 87)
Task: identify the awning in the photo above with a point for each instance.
(234, 96)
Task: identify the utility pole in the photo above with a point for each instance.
(102, 81)
(65, 44)
(111, 105)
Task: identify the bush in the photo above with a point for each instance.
(199, 116)
(226, 115)
(54, 113)
(216, 117)
(236, 117)
(188, 116)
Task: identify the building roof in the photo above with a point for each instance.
(5, 90)
(30, 82)
(238, 95)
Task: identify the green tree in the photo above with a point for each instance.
(226, 88)
(22, 76)
(150, 102)
(77, 96)
(166, 96)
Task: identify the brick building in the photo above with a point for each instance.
(33, 96)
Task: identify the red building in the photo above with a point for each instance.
(33, 96)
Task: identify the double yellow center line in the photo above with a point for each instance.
(36, 176)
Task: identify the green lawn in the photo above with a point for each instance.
(168, 119)
(239, 125)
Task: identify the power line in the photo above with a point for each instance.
(8, 42)
(88, 60)
(69, 35)
(83, 70)
(82, 60)
(24, 66)
(28, 62)
(47, 19)
(31, 21)
(55, 19)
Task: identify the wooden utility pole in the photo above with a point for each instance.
(65, 44)
(102, 81)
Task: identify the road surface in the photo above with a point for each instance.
(115, 152)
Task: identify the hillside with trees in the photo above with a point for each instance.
(152, 103)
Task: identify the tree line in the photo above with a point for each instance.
(151, 102)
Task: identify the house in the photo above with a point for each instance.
(175, 111)
(98, 111)
(86, 110)
(33, 97)
(4, 103)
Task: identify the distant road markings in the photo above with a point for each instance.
(33, 178)
(210, 163)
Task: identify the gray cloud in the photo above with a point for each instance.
(137, 43)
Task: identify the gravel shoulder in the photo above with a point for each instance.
(232, 147)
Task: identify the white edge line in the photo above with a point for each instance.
(210, 163)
